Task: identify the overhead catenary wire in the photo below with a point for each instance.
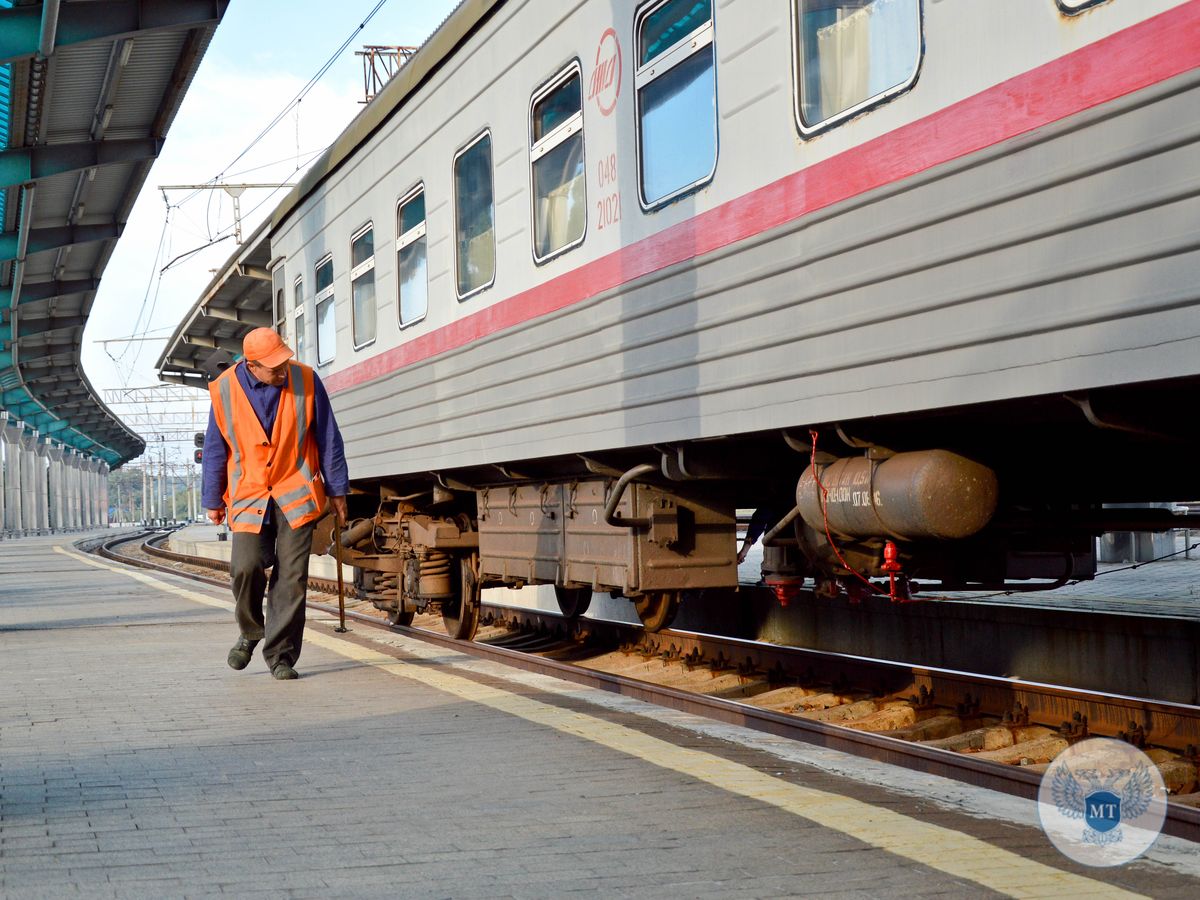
(154, 278)
(296, 100)
(312, 82)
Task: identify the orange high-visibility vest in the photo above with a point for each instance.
(284, 466)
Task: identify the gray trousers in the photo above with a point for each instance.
(286, 549)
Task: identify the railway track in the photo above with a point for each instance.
(998, 733)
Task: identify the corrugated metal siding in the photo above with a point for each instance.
(76, 77)
(140, 93)
(53, 197)
(107, 190)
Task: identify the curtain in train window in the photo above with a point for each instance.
(362, 286)
(301, 347)
(676, 87)
(475, 217)
(853, 51)
(326, 326)
(556, 154)
(410, 258)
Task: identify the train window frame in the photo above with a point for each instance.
(863, 106)
(572, 127)
(322, 296)
(484, 134)
(699, 40)
(299, 319)
(1067, 8)
(406, 239)
(356, 273)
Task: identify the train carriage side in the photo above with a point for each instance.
(615, 268)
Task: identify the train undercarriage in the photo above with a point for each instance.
(1000, 497)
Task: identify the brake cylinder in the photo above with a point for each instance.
(925, 494)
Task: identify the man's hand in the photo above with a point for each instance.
(216, 516)
(339, 508)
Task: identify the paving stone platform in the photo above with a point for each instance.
(134, 763)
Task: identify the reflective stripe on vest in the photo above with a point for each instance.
(249, 512)
(301, 400)
(235, 476)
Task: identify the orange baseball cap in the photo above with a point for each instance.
(266, 348)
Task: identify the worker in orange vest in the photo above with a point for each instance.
(272, 456)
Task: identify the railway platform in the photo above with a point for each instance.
(134, 763)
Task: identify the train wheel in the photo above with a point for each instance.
(573, 602)
(657, 609)
(460, 616)
(400, 618)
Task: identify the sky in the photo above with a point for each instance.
(263, 54)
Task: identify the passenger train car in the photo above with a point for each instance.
(917, 278)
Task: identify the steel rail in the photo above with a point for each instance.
(1181, 821)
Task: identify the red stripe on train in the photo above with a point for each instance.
(1138, 57)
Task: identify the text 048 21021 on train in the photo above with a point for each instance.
(584, 278)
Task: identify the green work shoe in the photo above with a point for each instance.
(282, 671)
(239, 656)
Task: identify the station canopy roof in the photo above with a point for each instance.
(88, 91)
(237, 300)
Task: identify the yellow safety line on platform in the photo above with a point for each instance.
(930, 845)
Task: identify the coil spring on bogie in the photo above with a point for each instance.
(435, 574)
(385, 588)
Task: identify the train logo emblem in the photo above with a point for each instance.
(605, 85)
(1102, 802)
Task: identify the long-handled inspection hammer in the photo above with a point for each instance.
(337, 552)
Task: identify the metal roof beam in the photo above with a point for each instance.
(231, 345)
(19, 165)
(37, 372)
(42, 239)
(188, 380)
(33, 291)
(23, 409)
(34, 353)
(25, 30)
(249, 316)
(52, 323)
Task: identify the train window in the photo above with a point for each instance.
(279, 310)
(362, 286)
(298, 311)
(556, 165)
(410, 257)
(474, 217)
(326, 327)
(851, 54)
(676, 88)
